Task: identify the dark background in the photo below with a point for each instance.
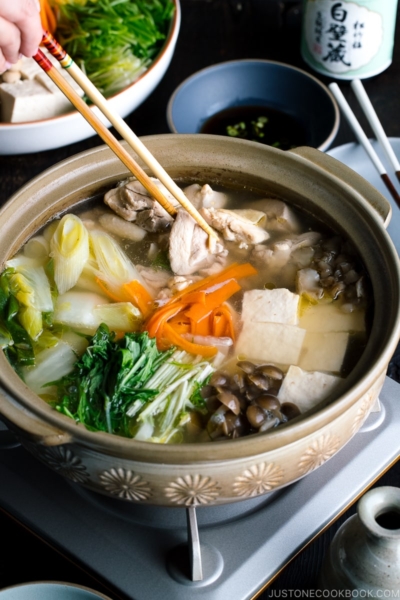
(212, 31)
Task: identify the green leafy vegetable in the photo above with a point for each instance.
(108, 378)
(131, 388)
(178, 381)
(14, 340)
(113, 41)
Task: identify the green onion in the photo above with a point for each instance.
(113, 41)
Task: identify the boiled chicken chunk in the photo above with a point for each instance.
(189, 248)
(234, 226)
(204, 196)
(132, 202)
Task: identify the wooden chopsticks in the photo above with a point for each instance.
(98, 99)
(362, 138)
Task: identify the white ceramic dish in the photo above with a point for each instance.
(36, 136)
(354, 156)
(50, 590)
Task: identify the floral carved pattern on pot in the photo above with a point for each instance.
(363, 411)
(319, 452)
(257, 480)
(192, 490)
(125, 484)
(64, 461)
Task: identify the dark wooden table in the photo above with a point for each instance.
(212, 31)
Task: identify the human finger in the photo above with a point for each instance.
(10, 41)
(30, 27)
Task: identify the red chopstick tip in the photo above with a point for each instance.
(391, 188)
(43, 61)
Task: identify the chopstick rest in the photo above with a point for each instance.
(363, 140)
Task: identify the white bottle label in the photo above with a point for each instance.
(342, 36)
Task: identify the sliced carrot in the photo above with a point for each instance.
(220, 313)
(219, 325)
(181, 324)
(138, 295)
(202, 327)
(214, 299)
(234, 271)
(161, 316)
(175, 339)
(195, 297)
(47, 16)
(107, 292)
(51, 18)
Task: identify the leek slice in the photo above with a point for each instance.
(70, 251)
(51, 364)
(115, 268)
(75, 309)
(31, 288)
(119, 316)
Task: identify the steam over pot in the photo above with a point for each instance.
(211, 473)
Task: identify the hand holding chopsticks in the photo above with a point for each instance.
(360, 135)
(67, 62)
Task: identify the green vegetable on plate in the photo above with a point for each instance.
(113, 41)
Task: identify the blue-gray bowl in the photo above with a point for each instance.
(264, 83)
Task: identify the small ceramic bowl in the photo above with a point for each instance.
(260, 83)
(50, 590)
(36, 136)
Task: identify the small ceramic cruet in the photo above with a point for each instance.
(364, 555)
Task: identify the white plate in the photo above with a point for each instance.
(35, 136)
(354, 156)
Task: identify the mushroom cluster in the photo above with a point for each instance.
(338, 272)
(245, 402)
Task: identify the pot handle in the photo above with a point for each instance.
(26, 425)
(350, 177)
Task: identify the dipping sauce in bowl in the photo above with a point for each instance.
(258, 124)
(299, 108)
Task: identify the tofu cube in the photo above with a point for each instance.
(329, 317)
(278, 343)
(29, 100)
(323, 351)
(270, 306)
(306, 389)
(29, 68)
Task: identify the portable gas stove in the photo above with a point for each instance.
(234, 552)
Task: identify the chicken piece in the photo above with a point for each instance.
(179, 282)
(189, 248)
(155, 279)
(205, 196)
(217, 266)
(309, 283)
(234, 227)
(274, 257)
(130, 198)
(151, 221)
(279, 217)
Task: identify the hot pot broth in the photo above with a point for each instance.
(128, 322)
